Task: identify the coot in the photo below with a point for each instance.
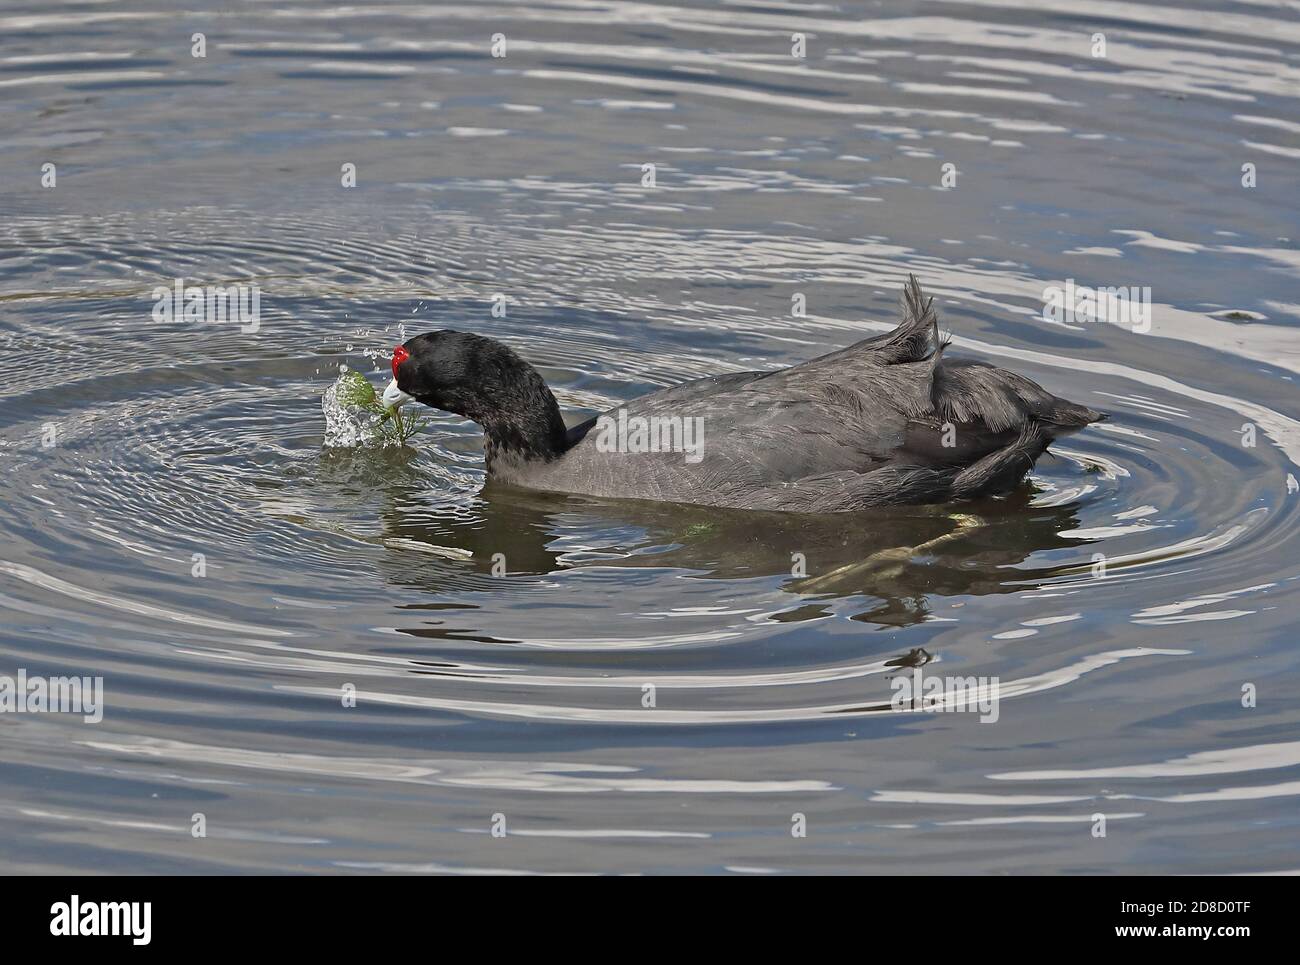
(889, 420)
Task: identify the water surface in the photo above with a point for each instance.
(523, 694)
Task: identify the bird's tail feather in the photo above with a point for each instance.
(917, 336)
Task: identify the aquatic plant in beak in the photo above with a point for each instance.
(354, 391)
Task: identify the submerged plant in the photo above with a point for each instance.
(355, 391)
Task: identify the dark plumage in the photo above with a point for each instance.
(888, 420)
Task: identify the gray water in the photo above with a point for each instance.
(1128, 598)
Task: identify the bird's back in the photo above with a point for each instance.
(889, 419)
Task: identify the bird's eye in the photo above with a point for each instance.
(400, 355)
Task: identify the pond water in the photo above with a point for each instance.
(356, 659)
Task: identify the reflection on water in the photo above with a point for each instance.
(351, 658)
(884, 557)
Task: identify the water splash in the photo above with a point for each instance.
(350, 426)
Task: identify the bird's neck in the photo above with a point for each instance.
(521, 423)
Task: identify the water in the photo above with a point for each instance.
(190, 447)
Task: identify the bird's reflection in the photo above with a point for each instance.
(897, 560)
